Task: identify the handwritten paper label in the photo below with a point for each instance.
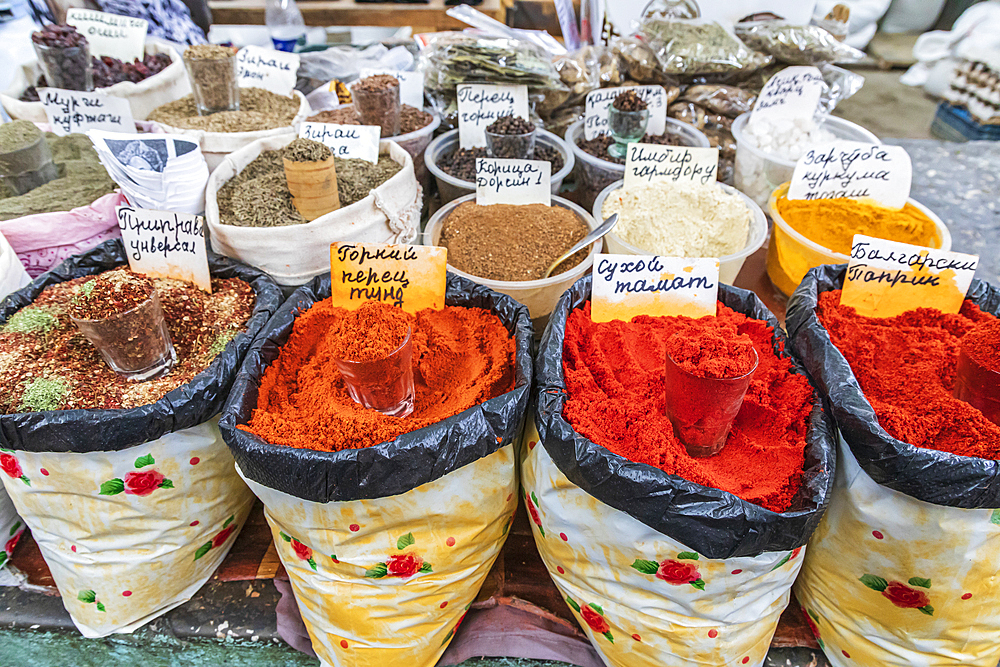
(852, 170)
(793, 92)
(513, 181)
(411, 84)
(346, 141)
(629, 285)
(599, 101)
(112, 35)
(682, 164)
(75, 112)
(275, 71)
(481, 104)
(411, 277)
(886, 278)
(165, 245)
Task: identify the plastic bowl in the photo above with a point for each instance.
(450, 188)
(729, 266)
(758, 173)
(790, 255)
(594, 174)
(540, 296)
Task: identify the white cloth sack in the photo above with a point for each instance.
(974, 36)
(12, 274)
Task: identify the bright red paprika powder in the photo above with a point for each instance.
(982, 344)
(713, 354)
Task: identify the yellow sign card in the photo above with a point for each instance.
(411, 277)
(886, 278)
(625, 286)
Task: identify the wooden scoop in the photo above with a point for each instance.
(313, 186)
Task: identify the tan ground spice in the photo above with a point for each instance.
(259, 110)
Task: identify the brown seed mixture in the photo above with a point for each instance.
(598, 146)
(208, 52)
(259, 110)
(110, 293)
(376, 83)
(511, 242)
(462, 163)
(47, 364)
(306, 150)
(411, 119)
(629, 101)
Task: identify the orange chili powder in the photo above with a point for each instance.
(372, 332)
(461, 357)
(718, 353)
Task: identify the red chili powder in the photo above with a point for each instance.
(614, 380)
(906, 368)
(373, 331)
(982, 344)
(719, 352)
(461, 357)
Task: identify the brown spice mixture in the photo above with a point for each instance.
(306, 150)
(209, 52)
(110, 293)
(259, 110)
(598, 146)
(376, 83)
(629, 101)
(47, 364)
(511, 242)
(411, 119)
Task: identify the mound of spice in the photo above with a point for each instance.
(108, 71)
(598, 146)
(616, 398)
(372, 332)
(47, 364)
(719, 354)
(511, 242)
(259, 110)
(906, 367)
(110, 293)
(461, 357)
(411, 119)
(461, 163)
(982, 344)
(629, 101)
(509, 125)
(306, 150)
(376, 99)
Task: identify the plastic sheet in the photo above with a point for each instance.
(796, 44)
(696, 47)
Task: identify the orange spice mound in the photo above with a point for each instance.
(372, 332)
(461, 357)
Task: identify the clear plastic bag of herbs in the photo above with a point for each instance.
(696, 47)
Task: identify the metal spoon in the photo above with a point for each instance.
(595, 235)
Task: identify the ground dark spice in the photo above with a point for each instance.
(411, 119)
(306, 150)
(259, 110)
(629, 101)
(462, 162)
(719, 353)
(616, 398)
(598, 146)
(510, 124)
(906, 367)
(371, 332)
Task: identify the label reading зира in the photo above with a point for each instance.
(274, 71)
(345, 141)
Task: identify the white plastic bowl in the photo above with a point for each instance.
(540, 296)
(729, 266)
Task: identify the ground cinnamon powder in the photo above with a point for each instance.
(461, 357)
(372, 332)
(718, 352)
(615, 397)
(906, 368)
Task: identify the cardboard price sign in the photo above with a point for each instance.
(852, 170)
(406, 276)
(165, 245)
(513, 182)
(626, 286)
(481, 104)
(648, 162)
(121, 37)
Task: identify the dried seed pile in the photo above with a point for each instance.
(259, 110)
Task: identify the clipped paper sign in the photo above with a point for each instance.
(853, 170)
(599, 101)
(411, 84)
(165, 245)
(274, 71)
(886, 278)
(358, 142)
(513, 181)
(121, 37)
(626, 286)
(683, 164)
(793, 92)
(75, 112)
(480, 104)
(411, 277)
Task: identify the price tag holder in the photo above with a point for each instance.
(513, 181)
(358, 142)
(75, 112)
(411, 84)
(852, 170)
(411, 277)
(165, 245)
(481, 104)
(792, 93)
(645, 163)
(886, 278)
(625, 286)
(112, 35)
(274, 71)
(599, 101)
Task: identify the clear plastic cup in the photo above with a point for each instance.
(978, 386)
(385, 384)
(702, 410)
(135, 344)
(214, 84)
(380, 107)
(626, 127)
(511, 146)
(66, 67)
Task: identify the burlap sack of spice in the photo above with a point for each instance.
(386, 547)
(124, 545)
(295, 254)
(901, 570)
(659, 570)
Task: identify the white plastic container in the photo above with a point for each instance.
(540, 296)
(451, 188)
(729, 266)
(758, 173)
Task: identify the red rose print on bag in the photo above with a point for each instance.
(531, 502)
(218, 540)
(593, 616)
(137, 483)
(674, 572)
(811, 619)
(8, 549)
(10, 466)
(900, 594)
(402, 566)
(451, 633)
(302, 551)
(90, 597)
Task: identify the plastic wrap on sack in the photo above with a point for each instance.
(392, 467)
(730, 101)
(637, 61)
(796, 44)
(186, 406)
(925, 474)
(694, 47)
(715, 523)
(840, 84)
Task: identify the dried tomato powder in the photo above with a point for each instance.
(713, 353)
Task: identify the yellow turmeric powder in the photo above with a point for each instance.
(832, 223)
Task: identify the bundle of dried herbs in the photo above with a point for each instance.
(259, 110)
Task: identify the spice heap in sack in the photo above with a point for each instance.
(461, 163)
(411, 119)
(259, 110)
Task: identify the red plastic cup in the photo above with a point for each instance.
(384, 384)
(702, 410)
(978, 386)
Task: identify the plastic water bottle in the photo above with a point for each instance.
(285, 24)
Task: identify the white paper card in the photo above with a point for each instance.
(792, 93)
(275, 71)
(112, 35)
(598, 101)
(165, 245)
(481, 104)
(682, 164)
(74, 111)
(411, 84)
(626, 286)
(358, 142)
(513, 182)
(853, 170)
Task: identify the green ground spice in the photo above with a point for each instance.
(29, 320)
(18, 134)
(43, 394)
(259, 110)
(220, 342)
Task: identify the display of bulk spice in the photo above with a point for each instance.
(259, 110)
(108, 71)
(376, 99)
(598, 146)
(461, 163)
(411, 119)
(64, 56)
